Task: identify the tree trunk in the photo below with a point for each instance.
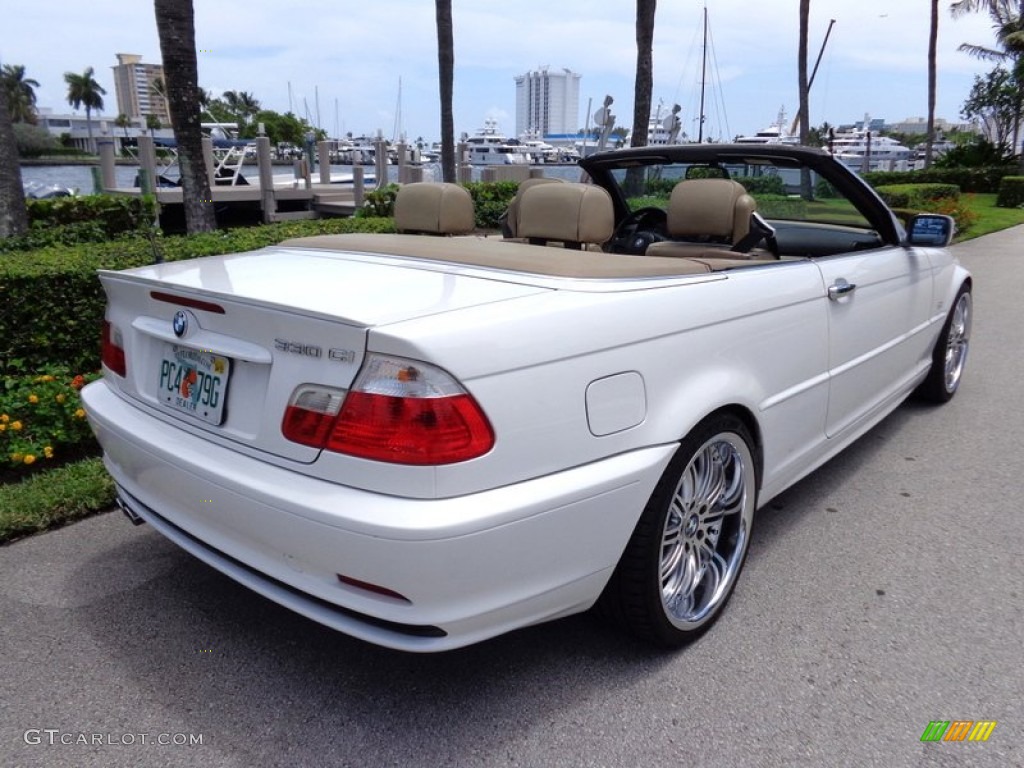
(644, 71)
(446, 76)
(176, 27)
(13, 216)
(804, 91)
(933, 38)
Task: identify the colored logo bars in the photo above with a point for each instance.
(958, 730)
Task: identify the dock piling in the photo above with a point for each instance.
(109, 177)
(324, 158)
(268, 203)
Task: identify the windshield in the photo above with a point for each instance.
(783, 192)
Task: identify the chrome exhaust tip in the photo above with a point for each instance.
(128, 511)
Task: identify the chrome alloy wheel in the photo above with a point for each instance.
(957, 341)
(706, 531)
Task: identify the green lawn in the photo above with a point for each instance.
(53, 498)
(990, 218)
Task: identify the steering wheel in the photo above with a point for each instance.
(638, 230)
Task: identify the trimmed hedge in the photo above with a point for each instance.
(1011, 192)
(54, 304)
(913, 195)
(87, 219)
(967, 179)
(491, 200)
(782, 207)
(763, 185)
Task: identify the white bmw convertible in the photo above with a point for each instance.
(430, 438)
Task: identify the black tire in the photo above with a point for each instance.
(950, 354)
(688, 548)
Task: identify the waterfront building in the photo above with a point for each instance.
(73, 129)
(547, 102)
(136, 94)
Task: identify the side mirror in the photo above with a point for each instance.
(931, 230)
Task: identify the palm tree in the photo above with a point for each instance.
(153, 124)
(21, 94)
(159, 88)
(13, 215)
(248, 106)
(83, 90)
(175, 24)
(446, 79)
(1008, 23)
(933, 39)
(122, 121)
(644, 83)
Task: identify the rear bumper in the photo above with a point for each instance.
(466, 568)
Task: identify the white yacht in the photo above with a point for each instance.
(490, 147)
(776, 133)
(866, 150)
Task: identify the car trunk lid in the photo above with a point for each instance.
(219, 344)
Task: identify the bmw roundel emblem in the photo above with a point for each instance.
(180, 323)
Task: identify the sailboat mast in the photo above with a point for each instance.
(703, 78)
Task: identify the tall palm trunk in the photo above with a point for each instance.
(446, 77)
(13, 216)
(933, 39)
(633, 184)
(644, 83)
(176, 27)
(804, 91)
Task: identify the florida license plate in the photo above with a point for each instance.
(194, 381)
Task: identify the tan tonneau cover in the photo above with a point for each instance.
(495, 253)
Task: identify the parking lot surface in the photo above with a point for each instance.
(882, 593)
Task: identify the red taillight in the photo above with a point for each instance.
(113, 350)
(398, 411)
(409, 430)
(311, 413)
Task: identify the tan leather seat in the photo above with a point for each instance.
(572, 214)
(510, 220)
(706, 218)
(433, 208)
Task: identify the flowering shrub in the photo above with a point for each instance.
(41, 418)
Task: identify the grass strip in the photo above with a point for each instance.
(54, 498)
(991, 218)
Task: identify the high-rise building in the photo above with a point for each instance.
(548, 102)
(136, 94)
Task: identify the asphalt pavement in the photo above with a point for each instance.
(882, 593)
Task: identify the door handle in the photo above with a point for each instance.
(840, 288)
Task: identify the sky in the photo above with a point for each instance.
(350, 57)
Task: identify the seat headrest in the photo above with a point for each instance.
(434, 208)
(567, 213)
(717, 208)
(511, 218)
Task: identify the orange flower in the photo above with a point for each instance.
(16, 457)
(78, 382)
(4, 418)
(60, 398)
(33, 399)
(2, 426)
(16, 426)
(30, 459)
(48, 452)
(79, 414)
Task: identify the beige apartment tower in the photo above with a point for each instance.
(136, 96)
